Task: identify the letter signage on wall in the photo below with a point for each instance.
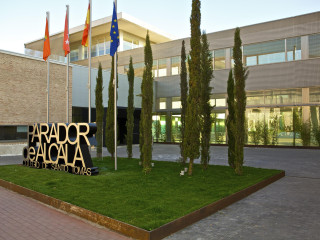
(61, 146)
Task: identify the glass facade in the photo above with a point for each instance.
(176, 103)
(138, 69)
(264, 53)
(270, 117)
(314, 46)
(218, 128)
(314, 95)
(293, 49)
(219, 59)
(274, 97)
(155, 68)
(162, 67)
(13, 133)
(175, 128)
(74, 55)
(159, 128)
(162, 103)
(129, 42)
(175, 65)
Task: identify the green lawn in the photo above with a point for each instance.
(128, 195)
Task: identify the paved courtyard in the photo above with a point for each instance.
(286, 209)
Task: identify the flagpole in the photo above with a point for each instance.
(48, 71)
(115, 102)
(68, 55)
(89, 57)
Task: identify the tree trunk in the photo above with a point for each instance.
(190, 167)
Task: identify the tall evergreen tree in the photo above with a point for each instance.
(240, 76)
(192, 128)
(109, 135)
(99, 110)
(205, 108)
(184, 97)
(130, 110)
(231, 124)
(147, 102)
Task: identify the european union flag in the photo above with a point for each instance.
(114, 32)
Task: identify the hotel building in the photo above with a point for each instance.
(282, 56)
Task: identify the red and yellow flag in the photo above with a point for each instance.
(46, 44)
(66, 43)
(86, 29)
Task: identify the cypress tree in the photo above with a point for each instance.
(231, 128)
(192, 128)
(184, 97)
(109, 135)
(146, 112)
(99, 110)
(130, 110)
(205, 108)
(240, 76)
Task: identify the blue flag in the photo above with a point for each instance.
(114, 32)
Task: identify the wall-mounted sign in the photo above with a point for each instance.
(61, 146)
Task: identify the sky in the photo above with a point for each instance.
(23, 21)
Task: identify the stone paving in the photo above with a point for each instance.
(22, 218)
(286, 209)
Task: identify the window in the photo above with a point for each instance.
(138, 69)
(175, 65)
(85, 52)
(289, 96)
(264, 53)
(255, 98)
(74, 55)
(219, 59)
(159, 128)
(175, 128)
(231, 57)
(274, 97)
(314, 94)
(100, 48)
(162, 104)
(270, 98)
(107, 47)
(294, 49)
(176, 103)
(155, 68)
(129, 42)
(17, 133)
(218, 128)
(94, 51)
(126, 45)
(220, 102)
(162, 67)
(217, 101)
(314, 46)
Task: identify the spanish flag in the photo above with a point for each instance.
(86, 29)
(46, 44)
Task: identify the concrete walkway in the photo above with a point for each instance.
(286, 209)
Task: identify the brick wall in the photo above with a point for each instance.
(23, 96)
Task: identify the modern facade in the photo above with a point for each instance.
(283, 58)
